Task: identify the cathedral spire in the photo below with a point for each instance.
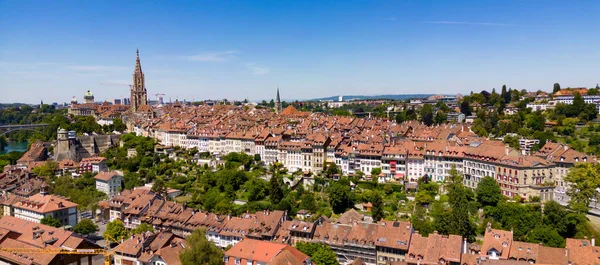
(278, 102)
(278, 98)
(138, 65)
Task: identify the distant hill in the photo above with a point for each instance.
(362, 97)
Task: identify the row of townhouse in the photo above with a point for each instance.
(409, 160)
(404, 152)
(349, 236)
(391, 242)
(141, 205)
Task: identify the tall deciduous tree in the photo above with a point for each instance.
(200, 251)
(465, 108)
(440, 117)
(340, 196)
(458, 199)
(427, 114)
(276, 188)
(584, 179)
(488, 192)
(308, 202)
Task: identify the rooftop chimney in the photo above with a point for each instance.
(465, 245)
(593, 240)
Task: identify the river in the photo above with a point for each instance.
(14, 146)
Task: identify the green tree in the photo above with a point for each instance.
(520, 218)
(420, 221)
(51, 221)
(375, 172)
(118, 125)
(427, 114)
(458, 199)
(512, 141)
(85, 227)
(440, 117)
(584, 179)
(400, 117)
(46, 170)
(423, 197)
(465, 108)
(546, 235)
(556, 88)
(308, 202)
(488, 192)
(332, 169)
(536, 121)
(319, 253)
(256, 189)
(115, 230)
(377, 209)
(340, 196)
(276, 188)
(505, 94)
(159, 186)
(200, 251)
(142, 228)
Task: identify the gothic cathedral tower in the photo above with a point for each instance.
(138, 89)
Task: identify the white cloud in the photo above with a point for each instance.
(468, 23)
(213, 56)
(258, 69)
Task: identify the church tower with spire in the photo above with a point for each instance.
(138, 89)
(278, 106)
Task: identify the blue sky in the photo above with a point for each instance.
(53, 50)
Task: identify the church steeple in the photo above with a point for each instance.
(278, 98)
(278, 107)
(138, 89)
(138, 65)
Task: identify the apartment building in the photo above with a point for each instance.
(36, 207)
(92, 164)
(109, 182)
(563, 158)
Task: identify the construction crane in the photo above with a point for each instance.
(106, 252)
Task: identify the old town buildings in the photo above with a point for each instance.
(310, 142)
(352, 238)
